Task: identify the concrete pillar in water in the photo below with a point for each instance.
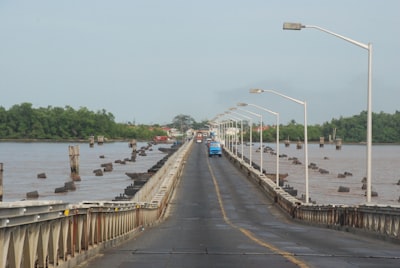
(338, 144)
(1, 182)
(287, 143)
(299, 145)
(100, 140)
(321, 141)
(91, 141)
(133, 145)
(74, 162)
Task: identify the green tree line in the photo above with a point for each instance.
(22, 121)
(385, 129)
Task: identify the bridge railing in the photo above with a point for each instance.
(377, 220)
(57, 234)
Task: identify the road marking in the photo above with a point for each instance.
(289, 256)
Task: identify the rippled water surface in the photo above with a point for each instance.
(23, 161)
(323, 188)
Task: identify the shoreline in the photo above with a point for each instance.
(127, 140)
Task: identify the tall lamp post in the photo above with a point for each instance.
(232, 136)
(241, 131)
(304, 103)
(236, 119)
(261, 149)
(251, 132)
(277, 135)
(222, 129)
(368, 47)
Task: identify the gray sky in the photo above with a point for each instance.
(148, 61)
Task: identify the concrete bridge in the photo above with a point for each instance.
(218, 216)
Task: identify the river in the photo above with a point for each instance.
(22, 161)
(323, 188)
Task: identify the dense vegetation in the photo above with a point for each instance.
(385, 129)
(25, 122)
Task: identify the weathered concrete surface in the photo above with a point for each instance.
(218, 218)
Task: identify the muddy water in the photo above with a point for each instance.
(323, 188)
(23, 161)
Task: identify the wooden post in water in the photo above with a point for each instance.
(338, 144)
(1, 182)
(133, 145)
(321, 141)
(91, 141)
(100, 140)
(74, 162)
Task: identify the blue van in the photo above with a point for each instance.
(214, 148)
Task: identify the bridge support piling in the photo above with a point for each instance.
(133, 145)
(1, 182)
(74, 162)
(321, 142)
(100, 140)
(91, 141)
(338, 144)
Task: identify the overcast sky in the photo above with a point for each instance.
(148, 61)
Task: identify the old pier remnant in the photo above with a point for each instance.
(91, 141)
(133, 145)
(287, 142)
(1, 182)
(41, 175)
(32, 195)
(338, 144)
(299, 145)
(321, 141)
(100, 140)
(74, 162)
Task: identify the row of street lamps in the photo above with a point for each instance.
(233, 114)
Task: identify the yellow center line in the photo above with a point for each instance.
(289, 256)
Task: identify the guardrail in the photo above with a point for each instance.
(377, 220)
(57, 234)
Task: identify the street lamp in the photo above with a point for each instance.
(261, 149)
(241, 130)
(228, 136)
(304, 103)
(368, 47)
(277, 136)
(221, 134)
(251, 133)
(228, 132)
(236, 139)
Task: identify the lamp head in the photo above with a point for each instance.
(292, 26)
(241, 104)
(256, 90)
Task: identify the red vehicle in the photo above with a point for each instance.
(162, 139)
(199, 137)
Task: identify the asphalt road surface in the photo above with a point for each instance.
(218, 218)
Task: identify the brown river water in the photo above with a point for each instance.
(323, 188)
(22, 161)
